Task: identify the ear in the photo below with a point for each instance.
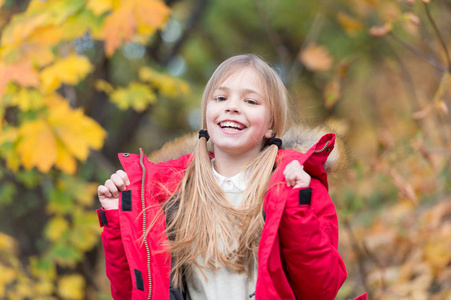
(269, 134)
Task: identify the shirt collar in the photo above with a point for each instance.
(238, 181)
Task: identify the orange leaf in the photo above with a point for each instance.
(21, 73)
(122, 24)
(379, 31)
(316, 58)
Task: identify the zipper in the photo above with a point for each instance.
(321, 150)
(141, 156)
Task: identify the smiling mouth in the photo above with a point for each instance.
(231, 126)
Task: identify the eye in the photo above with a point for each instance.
(220, 98)
(250, 101)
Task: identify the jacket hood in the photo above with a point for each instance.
(299, 137)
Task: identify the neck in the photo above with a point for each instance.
(230, 165)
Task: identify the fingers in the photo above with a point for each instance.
(103, 192)
(295, 175)
(117, 182)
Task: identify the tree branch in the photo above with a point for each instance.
(415, 50)
(439, 35)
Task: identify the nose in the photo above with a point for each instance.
(232, 105)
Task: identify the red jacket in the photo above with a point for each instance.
(297, 258)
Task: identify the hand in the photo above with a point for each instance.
(109, 193)
(295, 175)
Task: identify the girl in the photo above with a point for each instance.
(245, 220)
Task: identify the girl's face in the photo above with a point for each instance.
(238, 116)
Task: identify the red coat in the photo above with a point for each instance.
(297, 258)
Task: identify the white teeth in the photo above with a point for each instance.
(231, 125)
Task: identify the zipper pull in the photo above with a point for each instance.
(252, 295)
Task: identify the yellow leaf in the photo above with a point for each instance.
(27, 99)
(137, 96)
(69, 70)
(77, 132)
(99, 7)
(350, 25)
(37, 146)
(86, 195)
(64, 160)
(7, 275)
(40, 55)
(46, 35)
(7, 244)
(104, 86)
(56, 228)
(167, 85)
(316, 58)
(71, 287)
(58, 137)
(21, 27)
(44, 288)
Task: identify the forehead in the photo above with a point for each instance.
(246, 78)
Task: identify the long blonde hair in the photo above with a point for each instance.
(204, 218)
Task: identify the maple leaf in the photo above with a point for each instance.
(37, 145)
(137, 96)
(69, 70)
(99, 7)
(316, 58)
(58, 139)
(76, 131)
(123, 22)
(71, 287)
(21, 73)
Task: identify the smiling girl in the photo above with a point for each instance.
(247, 219)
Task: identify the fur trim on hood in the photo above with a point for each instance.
(300, 138)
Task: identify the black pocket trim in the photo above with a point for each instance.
(305, 196)
(103, 218)
(126, 201)
(139, 280)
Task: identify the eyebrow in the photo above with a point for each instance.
(244, 91)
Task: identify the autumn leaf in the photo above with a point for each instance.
(379, 31)
(137, 96)
(64, 134)
(349, 24)
(69, 70)
(316, 58)
(123, 23)
(26, 99)
(71, 287)
(332, 92)
(167, 85)
(99, 7)
(20, 73)
(76, 131)
(37, 146)
(56, 227)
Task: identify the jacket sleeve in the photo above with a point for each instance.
(117, 268)
(309, 236)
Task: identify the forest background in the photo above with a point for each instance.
(83, 80)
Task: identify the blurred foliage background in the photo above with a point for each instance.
(82, 80)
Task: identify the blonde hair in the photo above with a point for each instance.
(204, 218)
